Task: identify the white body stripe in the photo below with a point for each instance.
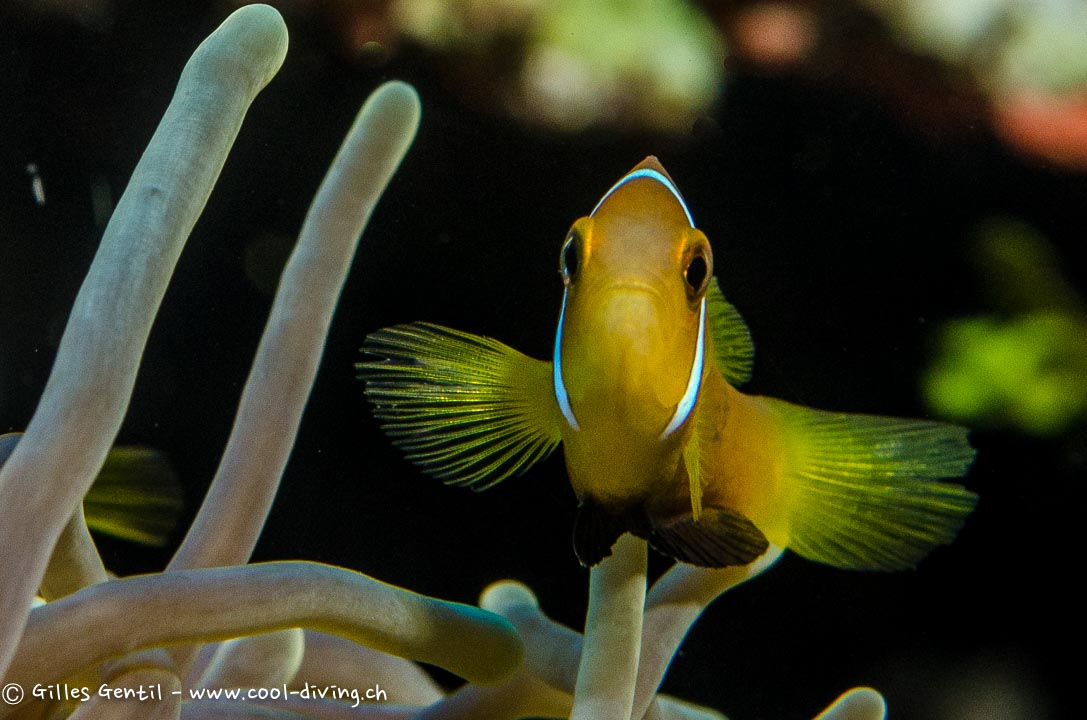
(694, 382)
(556, 372)
(647, 173)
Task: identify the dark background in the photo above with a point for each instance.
(839, 232)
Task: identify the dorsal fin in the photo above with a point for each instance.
(732, 344)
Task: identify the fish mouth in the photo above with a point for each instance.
(634, 313)
(637, 286)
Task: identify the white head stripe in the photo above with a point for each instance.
(694, 382)
(556, 371)
(655, 175)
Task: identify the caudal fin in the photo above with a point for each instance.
(864, 491)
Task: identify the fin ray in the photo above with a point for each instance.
(466, 409)
(136, 497)
(865, 490)
(734, 351)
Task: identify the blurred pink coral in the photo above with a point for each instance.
(774, 34)
(1050, 126)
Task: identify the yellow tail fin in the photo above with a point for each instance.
(864, 491)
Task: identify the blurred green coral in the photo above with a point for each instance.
(1026, 62)
(571, 64)
(593, 61)
(1028, 371)
(1027, 367)
(1047, 46)
(1009, 44)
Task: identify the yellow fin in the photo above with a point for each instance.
(732, 344)
(864, 490)
(135, 497)
(466, 409)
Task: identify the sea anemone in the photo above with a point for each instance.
(75, 641)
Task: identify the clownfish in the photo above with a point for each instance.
(641, 393)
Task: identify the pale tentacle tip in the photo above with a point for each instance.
(260, 32)
(399, 91)
(502, 596)
(859, 703)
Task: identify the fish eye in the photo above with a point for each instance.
(697, 273)
(570, 257)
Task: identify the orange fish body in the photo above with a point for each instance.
(628, 339)
(746, 460)
(640, 392)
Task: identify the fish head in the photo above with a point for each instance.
(631, 340)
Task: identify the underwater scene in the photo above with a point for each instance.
(619, 359)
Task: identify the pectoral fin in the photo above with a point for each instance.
(719, 538)
(466, 409)
(864, 490)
